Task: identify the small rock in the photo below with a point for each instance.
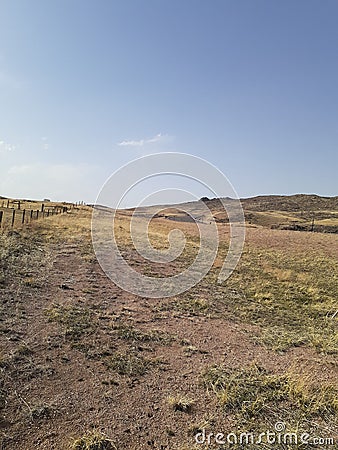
(66, 287)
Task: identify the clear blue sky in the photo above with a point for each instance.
(249, 85)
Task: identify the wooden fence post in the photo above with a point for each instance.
(31, 214)
(23, 216)
(1, 214)
(13, 217)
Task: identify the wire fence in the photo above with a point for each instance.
(14, 213)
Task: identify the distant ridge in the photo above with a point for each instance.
(297, 202)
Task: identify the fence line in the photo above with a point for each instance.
(11, 216)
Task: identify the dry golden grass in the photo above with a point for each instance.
(285, 286)
(93, 440)
(286, 283)
(28, 211)
(254, 397)
(180, 403)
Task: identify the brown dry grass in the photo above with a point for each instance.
(85, 364)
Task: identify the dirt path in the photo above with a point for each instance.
(80, 354)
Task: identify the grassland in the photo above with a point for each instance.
(17, 213)
(85, 365)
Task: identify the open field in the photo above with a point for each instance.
(85, 365)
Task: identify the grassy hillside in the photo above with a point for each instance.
(295, 212)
